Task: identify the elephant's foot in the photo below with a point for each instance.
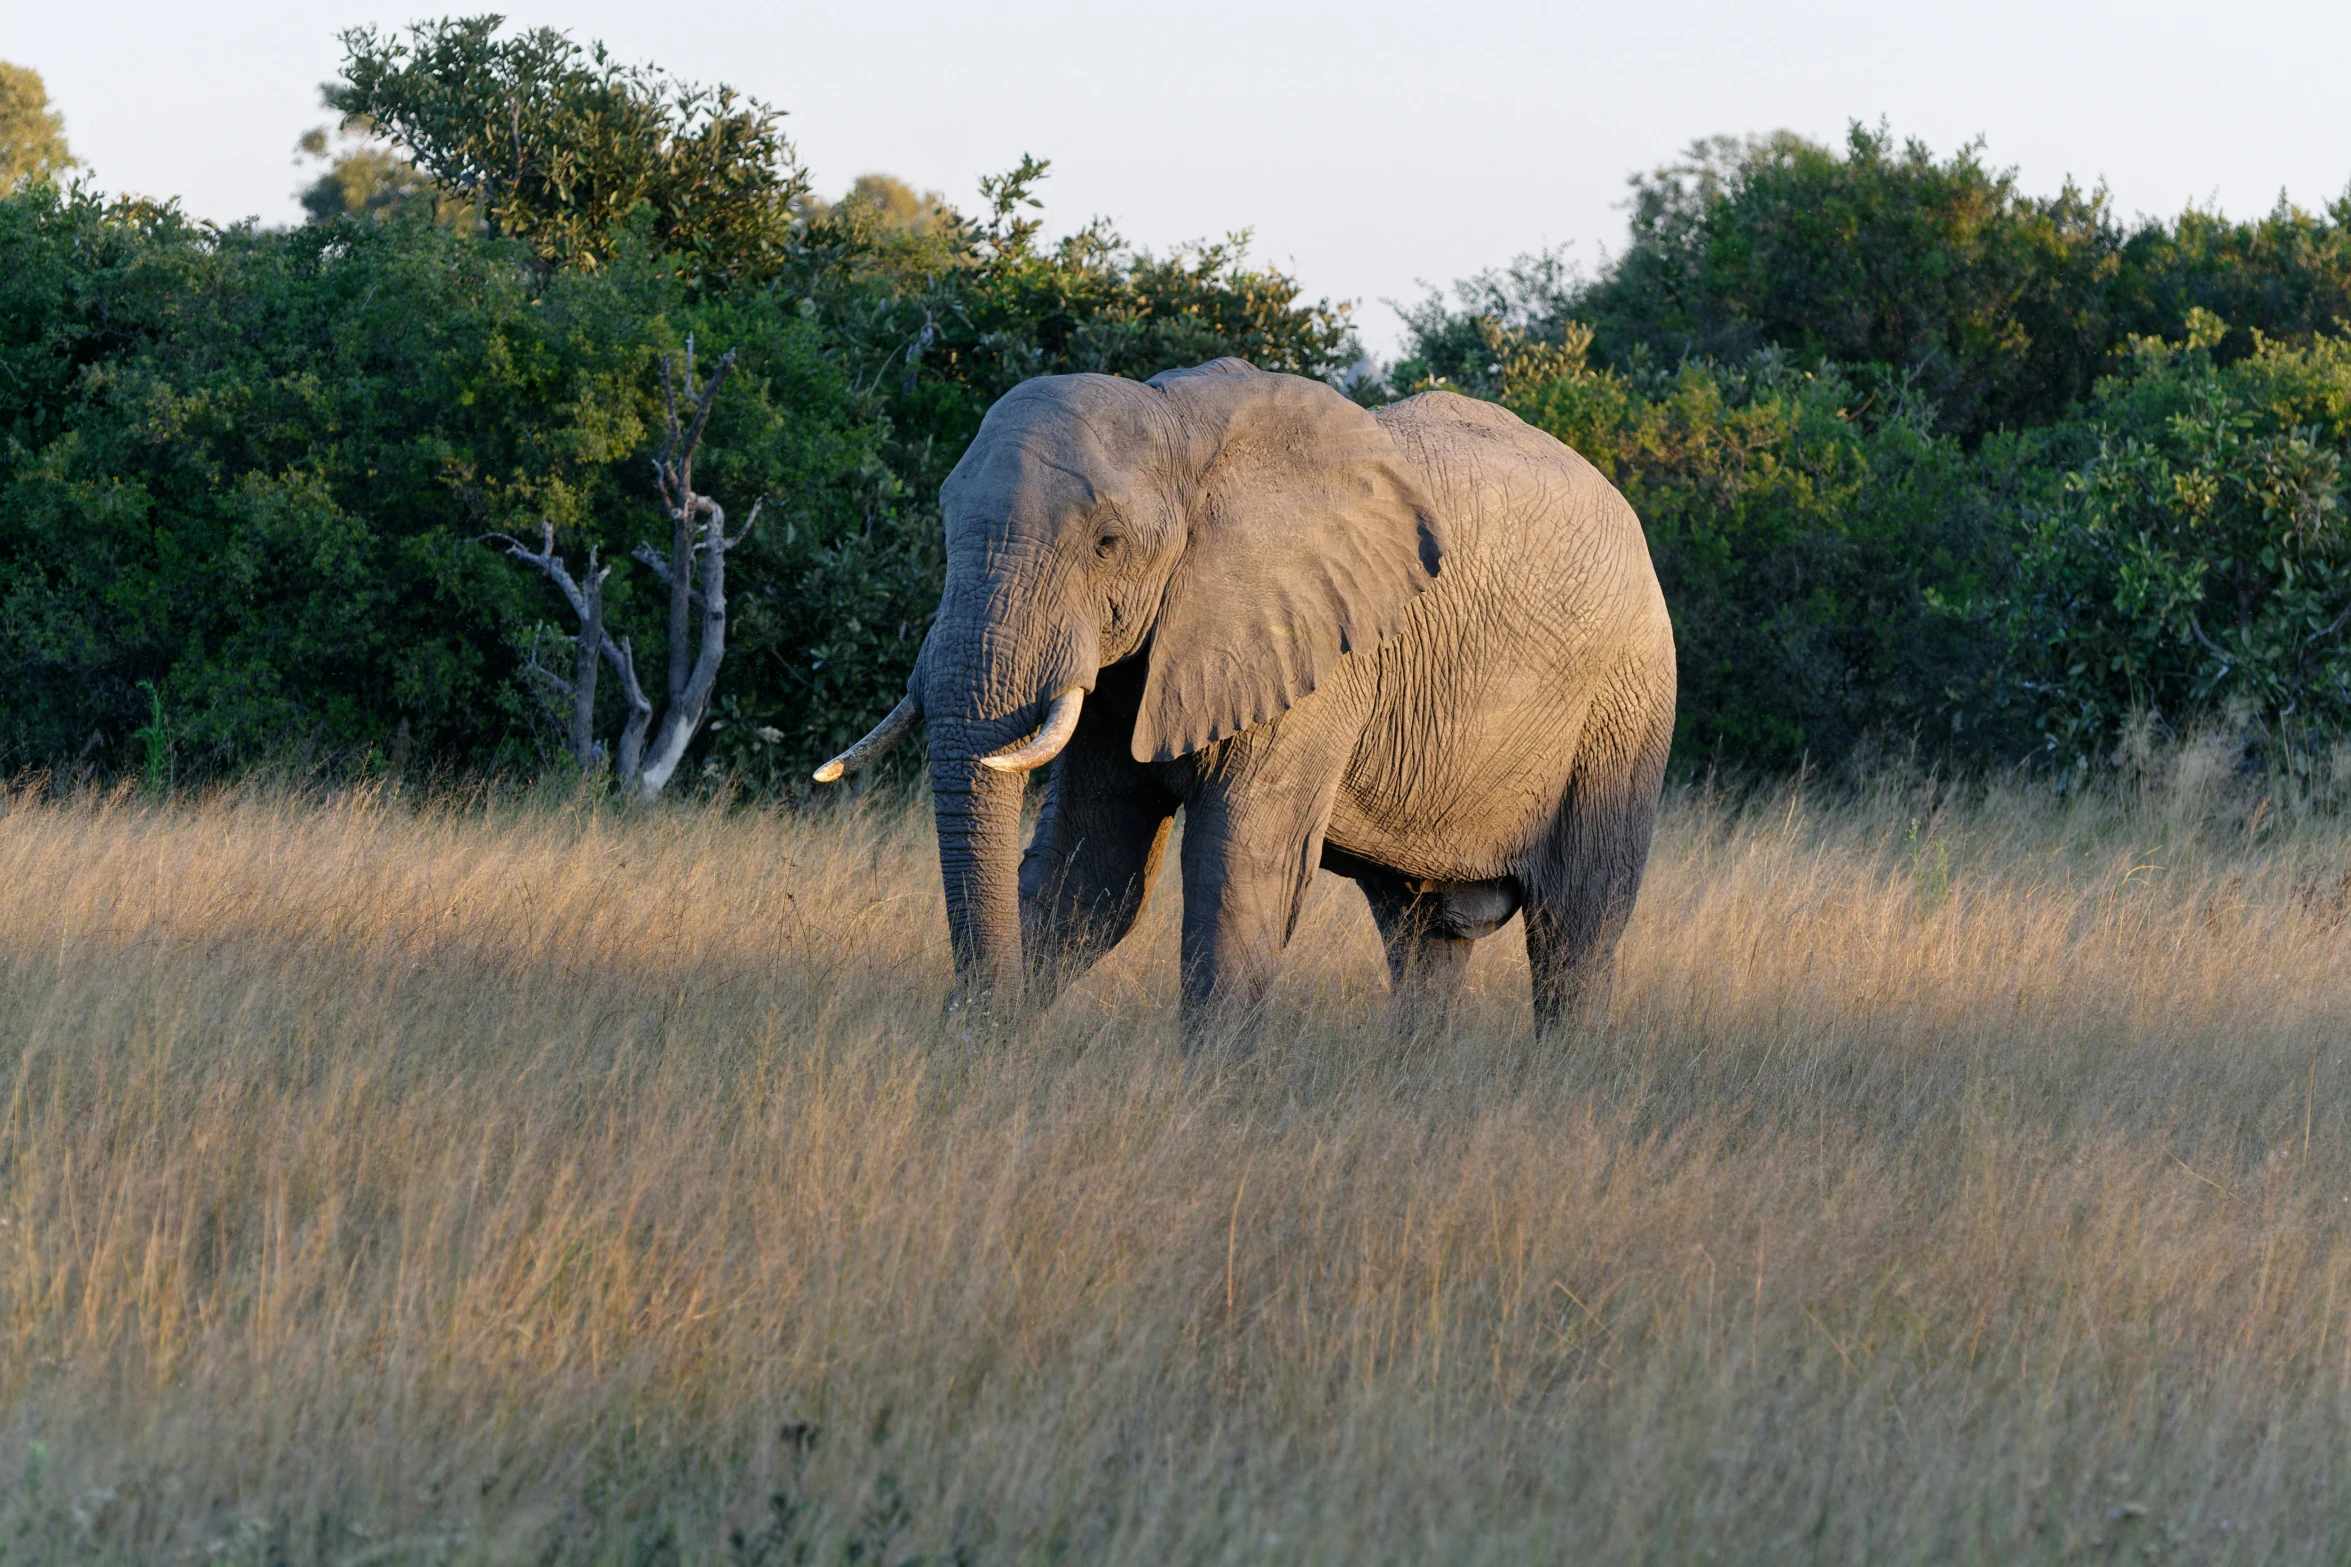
(1571, 1005)
(979, 1014)
(1226, 1020)
(1427, 930)
(1425, 981)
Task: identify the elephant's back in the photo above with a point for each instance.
(1501, 484)
(1545, 596)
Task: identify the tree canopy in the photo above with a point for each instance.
(558, 145)
(248, 474)
(363, 178)
(1941, 275)
(32, 135)
(1924, 459)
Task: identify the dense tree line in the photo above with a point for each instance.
(1924, 458)
(252, 478)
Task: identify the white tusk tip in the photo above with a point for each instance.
(1061, 722)
(829, 773)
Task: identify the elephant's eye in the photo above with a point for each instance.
(1106, 546)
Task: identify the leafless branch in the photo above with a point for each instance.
(691, 704)
(540, 672)
(623, 660)
(2218, 651)
(549, 563)
(650, 558)
(583, 700)
(587, 602)
(676, 478)
(703, 405)
(749, 523)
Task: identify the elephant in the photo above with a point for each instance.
(1422, 647)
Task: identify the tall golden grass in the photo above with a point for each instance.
(396, 1183)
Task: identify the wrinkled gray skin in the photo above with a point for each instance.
(1422, 648)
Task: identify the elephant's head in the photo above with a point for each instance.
(1240, 531)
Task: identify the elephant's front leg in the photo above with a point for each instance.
(1085, 879)
(1086, 876)
(1100, 836)
(1252, 843)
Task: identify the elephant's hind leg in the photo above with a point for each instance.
(1427, 942)
(1582, 877)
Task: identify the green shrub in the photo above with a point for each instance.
(2196, 565)
(1915, 463)
(253, 469)
(1998, 307)
(1991, 299)
(1827, 573)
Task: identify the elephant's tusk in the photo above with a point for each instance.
(885, 734)
(1061, 721)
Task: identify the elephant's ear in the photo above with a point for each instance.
(1308, 540)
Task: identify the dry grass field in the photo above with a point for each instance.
(1949, 1182)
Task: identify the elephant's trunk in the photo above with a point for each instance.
(1002, 682)
(978, 812)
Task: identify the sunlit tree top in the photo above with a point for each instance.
(32, 135)
(557, 145)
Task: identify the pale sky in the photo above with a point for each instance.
(1367, 146)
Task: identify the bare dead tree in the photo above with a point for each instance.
(587, 603)
(698, 546)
